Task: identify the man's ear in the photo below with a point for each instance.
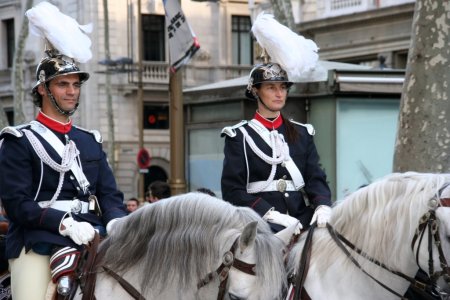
(41, 89)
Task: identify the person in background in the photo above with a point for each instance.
(158, 190)
(132, 204)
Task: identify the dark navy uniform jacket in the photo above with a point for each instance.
(305, 156)
(20, 176)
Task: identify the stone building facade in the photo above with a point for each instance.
(358, 31)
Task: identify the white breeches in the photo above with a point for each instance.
(30, 275)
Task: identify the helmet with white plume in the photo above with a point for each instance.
(66, 44)
(268, 72)
(287, 55)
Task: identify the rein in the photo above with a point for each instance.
(88, 276)
(428, 220)
(303, 267)
(228, 261)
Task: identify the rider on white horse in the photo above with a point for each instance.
(55, 184)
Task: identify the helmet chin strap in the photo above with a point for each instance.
(58, 108)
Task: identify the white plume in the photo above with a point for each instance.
(293, 52)
(62, 31)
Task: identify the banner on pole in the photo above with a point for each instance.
(182, 41)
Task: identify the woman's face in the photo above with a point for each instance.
(274, 95)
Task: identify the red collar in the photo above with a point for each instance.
(274, 124)
(53, 124)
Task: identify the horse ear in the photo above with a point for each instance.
(286, 234)
(248, 236)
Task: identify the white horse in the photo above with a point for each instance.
(174, 248)
(386, 223)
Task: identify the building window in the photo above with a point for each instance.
(9, 116)
(242, 42)
(153, 38)
(10, 41)
(156, 116)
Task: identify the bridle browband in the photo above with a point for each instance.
(427, 221)
(228, 261)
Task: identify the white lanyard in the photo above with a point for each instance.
(59, 147)
(290, 165)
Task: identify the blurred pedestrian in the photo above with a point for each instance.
(132, 204)
(158, 190)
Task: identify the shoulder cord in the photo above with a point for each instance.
(280, 151)
(68, 157)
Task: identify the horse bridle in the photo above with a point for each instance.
(228, 261)
(427, 221)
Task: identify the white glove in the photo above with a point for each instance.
(79, 232)
(321, 215)
(276, 217)
(110, 225)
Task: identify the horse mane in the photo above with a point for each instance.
(380, 219)
(177, 241)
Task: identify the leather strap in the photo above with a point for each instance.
(125, 284)
(355, 262)
(88, 277)
(304, 264)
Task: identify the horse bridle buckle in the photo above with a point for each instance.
(228, 258)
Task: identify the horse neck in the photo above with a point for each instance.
(333, 276)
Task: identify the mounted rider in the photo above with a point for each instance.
(271, 163)
(56, 185)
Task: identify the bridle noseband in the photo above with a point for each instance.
(228, 261)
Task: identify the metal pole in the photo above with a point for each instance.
(177, 170)
(109, 105)
(140, 101)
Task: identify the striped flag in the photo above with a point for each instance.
(182, 41)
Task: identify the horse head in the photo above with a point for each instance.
(193, 246)
(379, 236)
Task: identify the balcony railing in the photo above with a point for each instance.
(332, 8)
(193, 75)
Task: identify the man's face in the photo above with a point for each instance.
(66, 91)
(132, 205)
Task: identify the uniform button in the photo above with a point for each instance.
(286, 195)
(284, 176)
(283, 164)
(71, 177)
(78, 188)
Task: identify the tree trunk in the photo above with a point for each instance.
(3, 117)
(18, 80)
(423, 136)
(282, 11)
(110, 111)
